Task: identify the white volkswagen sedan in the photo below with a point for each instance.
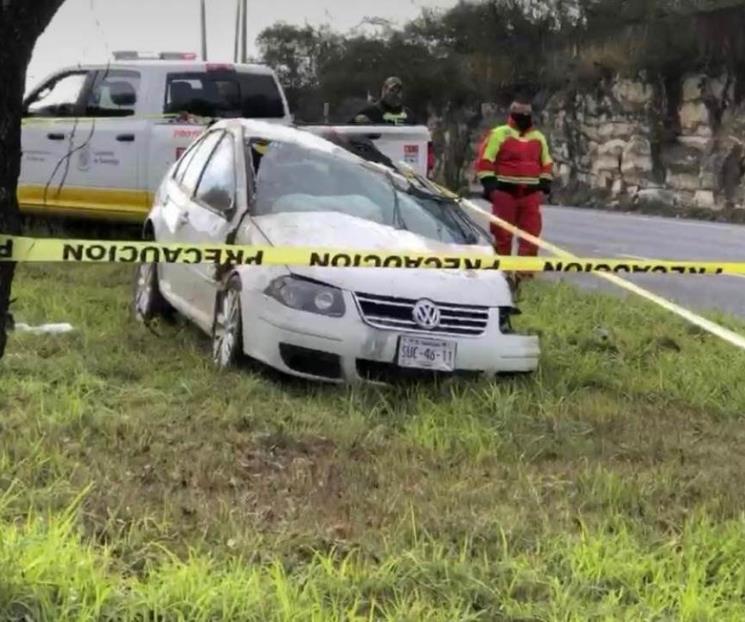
(254, 183)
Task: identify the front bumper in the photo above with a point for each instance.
(348, 350)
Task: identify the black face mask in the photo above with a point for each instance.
(523, 121)
(393, 99)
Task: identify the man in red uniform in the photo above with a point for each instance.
(515, 168)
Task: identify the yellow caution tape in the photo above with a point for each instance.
(713, 328)
(24, 249)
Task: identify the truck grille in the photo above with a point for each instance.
(397, 313)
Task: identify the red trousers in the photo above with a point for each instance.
(522, 210)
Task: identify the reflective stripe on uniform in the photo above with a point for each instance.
(509, 179)
(397, 118)
(518, 180)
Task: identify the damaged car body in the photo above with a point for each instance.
(254, 183)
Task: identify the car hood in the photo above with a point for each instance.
(331, 230)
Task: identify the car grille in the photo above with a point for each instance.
(397, 313)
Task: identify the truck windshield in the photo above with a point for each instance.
(296, 178)
(224, 94)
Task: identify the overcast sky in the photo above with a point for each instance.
(90, 30)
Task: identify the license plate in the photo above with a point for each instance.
(420, 353)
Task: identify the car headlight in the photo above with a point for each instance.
(310, 296)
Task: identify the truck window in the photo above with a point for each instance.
(114, 94)
(261, 97)
(224, 94)
(59, 97)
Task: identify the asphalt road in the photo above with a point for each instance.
(593, 233)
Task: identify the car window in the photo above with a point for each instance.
(194, 168)
(217, 186)
(301, 179)
(59, 97)
(114, 94)
(185, 159)
(224, 94)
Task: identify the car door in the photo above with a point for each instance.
(51, 136)
(107, 166)
(210, 219)
(175, 217)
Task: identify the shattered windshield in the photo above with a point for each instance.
(297, 178)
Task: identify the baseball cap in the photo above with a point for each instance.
(392, 81)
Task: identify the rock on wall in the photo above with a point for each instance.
(673, 144)
(677, 144)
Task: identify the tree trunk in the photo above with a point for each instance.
(12, 76)
(21, 23)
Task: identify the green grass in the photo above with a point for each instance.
(136, 483)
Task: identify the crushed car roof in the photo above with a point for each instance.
(298, 136)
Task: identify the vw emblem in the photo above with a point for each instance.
(426, 314)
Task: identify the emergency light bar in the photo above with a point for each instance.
(220, 67)
(178, 56)
(133, 55)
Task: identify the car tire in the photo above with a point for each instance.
(147, 300)
(227, 328)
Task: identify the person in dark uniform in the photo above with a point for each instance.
(389, 109)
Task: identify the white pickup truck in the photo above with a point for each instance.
(97, 139)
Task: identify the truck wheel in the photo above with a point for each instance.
(148, 301)
(227, 329)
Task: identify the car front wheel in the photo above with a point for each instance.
(227, 331)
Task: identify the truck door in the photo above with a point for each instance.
(50, 136)
(107, 166)
(407, 144)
